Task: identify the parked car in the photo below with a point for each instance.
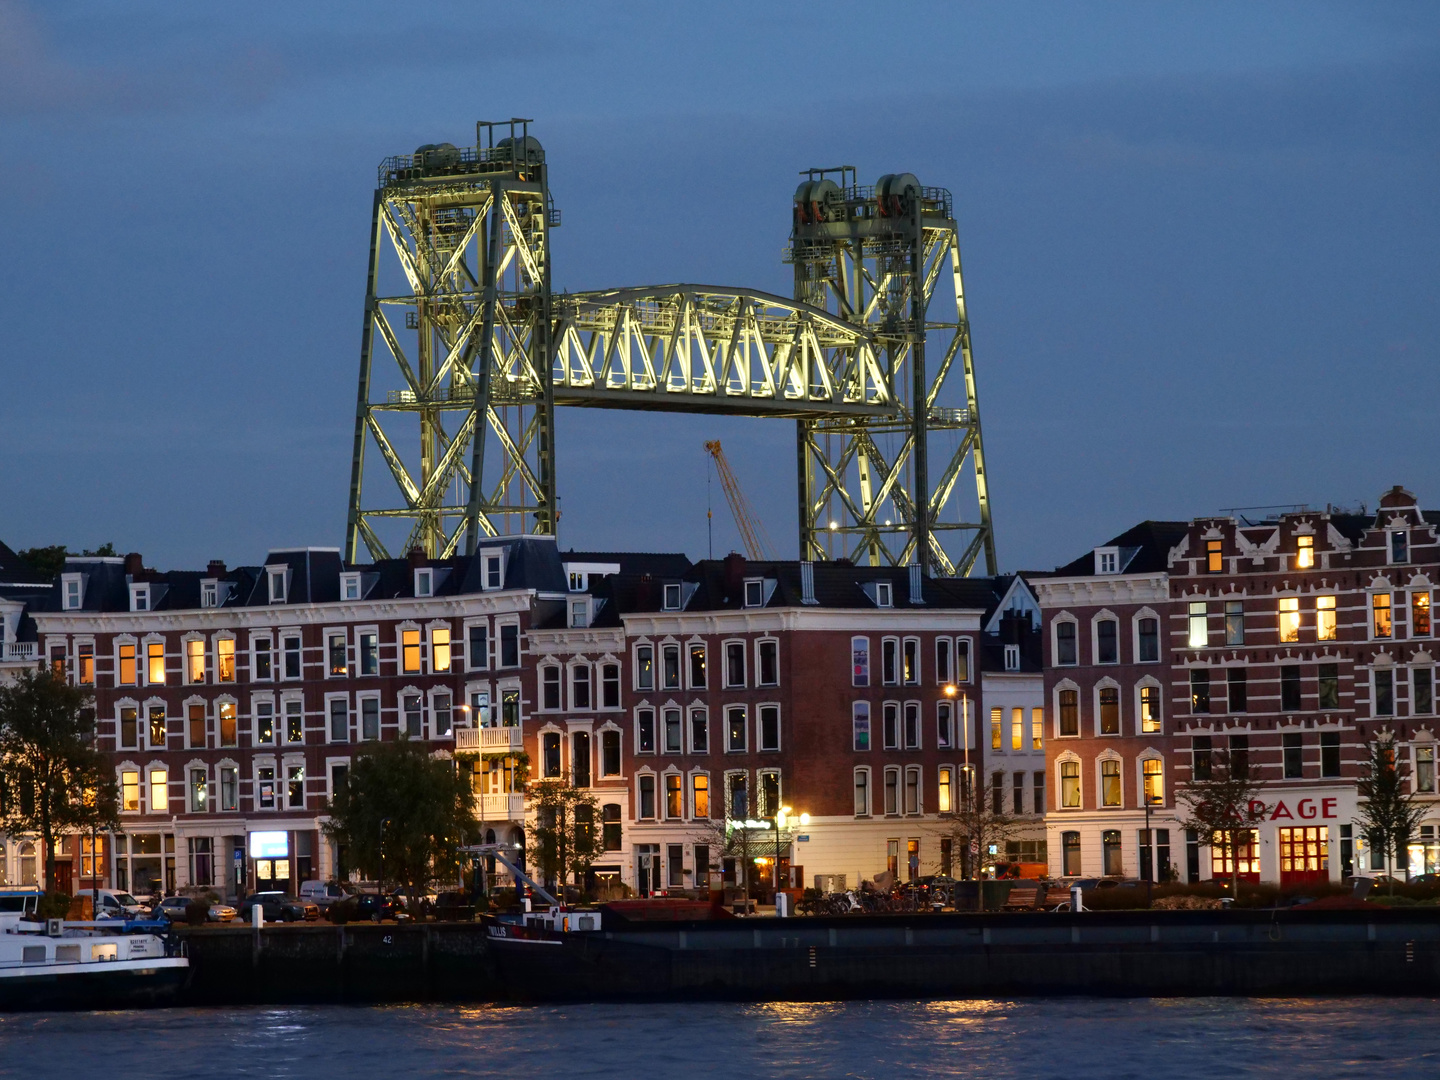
(322, 894)
(278, 907)
(374, 907)
(173, 908)
(221, 913)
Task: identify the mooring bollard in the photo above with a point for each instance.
(1077, 902)
(257, 916)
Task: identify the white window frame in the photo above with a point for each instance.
(424, 581)
(758, 585)
(726, 684)
(330, 700)
(1055, 623)
(1135, 620)
(884, 594)
(72, 592)
(1107, 560)
(1069, 758)
(350, 589)
(140, 597)
(489, 558)
(760, 747)
(760, 643)
(1104, 615)
(277, 583)
(671, 597)
(209, 593)
(869, 809)
(1100, 759)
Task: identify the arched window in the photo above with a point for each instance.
(27, 863)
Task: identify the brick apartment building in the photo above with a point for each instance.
(1287, 642)
(233, 700)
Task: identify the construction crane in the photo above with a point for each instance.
(752, 532)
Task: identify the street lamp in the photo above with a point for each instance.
(778, 821)
(966, 786)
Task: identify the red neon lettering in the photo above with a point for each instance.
(1307, 808)
(1327, 808)
(1281, 810)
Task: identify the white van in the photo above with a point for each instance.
(322, 894)
(111, 904)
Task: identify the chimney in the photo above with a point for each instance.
(134, 564)
(734, 568)
(417, 557)
(215, 568)
(917, 595)
(807, 583)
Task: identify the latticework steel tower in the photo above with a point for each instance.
(885, 489)
(468, 230)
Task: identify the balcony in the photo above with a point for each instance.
(18, 650)
(490, 740)
(502, 807)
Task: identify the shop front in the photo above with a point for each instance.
(280, 860)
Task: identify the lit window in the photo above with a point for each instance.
(1110, 783)
(1325, 627)
(439, 649)
(155, 663)
(1017, 729)
(1419, 615)
(199, 790)
(1037, 725)
(410, 651)
(295, 786)
(338, 660)
(195, 661)
(85, 653)
(1304, 552)
(264, 723)
(700, 795)
(1289, 618)
(697, 667)
(1214, 560)
(1150, 714)
(944, 796)
(159, 791)
(997, 716)
(1199, 636)
(228, 724)
(225, 660)
(129, 790)
(265, 787)
(1154, 774)
(294, 722)
(1380, 611)
(1070, 785)
(674, 796)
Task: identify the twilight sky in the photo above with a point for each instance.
(1200, 244)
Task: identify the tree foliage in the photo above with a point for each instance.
(402, 815)
(974, 828)
(1389, 815)
(1223, 807)
(51, 560)
(55, 780)
(564, 837)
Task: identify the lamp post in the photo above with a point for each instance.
(966, 792)
(778, 822)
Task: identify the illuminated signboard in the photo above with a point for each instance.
(269, 845)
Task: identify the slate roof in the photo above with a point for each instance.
(1150, 542)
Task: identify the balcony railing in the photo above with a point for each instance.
(502, 807)
(19, 650)
(489, 740)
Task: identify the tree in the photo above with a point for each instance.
(1222, 807)
(51, 560)
(974, 828)
(55, 780)
(1389, 815)
(402, 815)
(564, 840)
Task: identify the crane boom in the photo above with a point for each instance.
(752, 532)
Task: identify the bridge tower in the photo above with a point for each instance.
(458, 297)
(885, 489)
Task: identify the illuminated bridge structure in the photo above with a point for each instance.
(475, 353)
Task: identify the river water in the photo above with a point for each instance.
(1051, 1039)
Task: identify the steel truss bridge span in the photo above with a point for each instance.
(703, 348)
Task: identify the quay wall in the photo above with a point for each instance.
(1115, 953)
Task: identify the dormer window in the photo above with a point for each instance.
(1304, 552)
(74, 591)
(754, 592)
(579, 614)
(276, 578)
(1107, 560)
(209, 594)
(350, 586)
(672, 598)
(139, 597)
(578, 579)
(1399, 546)
(1012, 657)
(884, 596)
(424, 582)
(494, 571)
